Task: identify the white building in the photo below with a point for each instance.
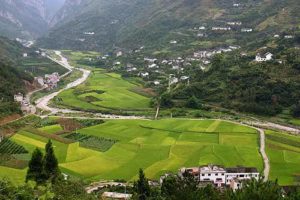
(25, 55)
(221, 28)
(144, 74)
(115, 196)
(173, 42)
(246, 30)
(119, 53)
(240, 173)
(156, 83)
(267, 57)
(18, 97)
(288, 37)
(220, 176)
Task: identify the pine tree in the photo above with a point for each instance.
(35, 171)
(142, 187)
(50, 163)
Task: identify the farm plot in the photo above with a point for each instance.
(51, 129)
(104, 91)
(284, 154)
(166, 145)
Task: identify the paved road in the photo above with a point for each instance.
(43, 103)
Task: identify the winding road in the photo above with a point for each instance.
(43, 103)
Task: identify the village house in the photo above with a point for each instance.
(156, 83)
(18, 97)
(288, 37)
(25, 55)
(266, 57)
(89, 33)
(173, 42)
(119, 53)
(51, 80)
(234, 23)
(153, 66)
(220, 176)
(246, 30)
(150, 60)
(221, 28)
(236, 5)
(115, 196)
(144, 74)
(276, 36)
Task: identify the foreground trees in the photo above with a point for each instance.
(43, 168)
(186, 188)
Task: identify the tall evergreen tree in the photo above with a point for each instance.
(50, 163)
(142, 187)
(35, 170)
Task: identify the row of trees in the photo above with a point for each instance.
(186, 188)
(43, 167)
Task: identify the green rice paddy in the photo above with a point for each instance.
(283, 151)
(105, 91)
(156, 146)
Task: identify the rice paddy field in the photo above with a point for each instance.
(156, 146)
(283, 151)
(104, 91)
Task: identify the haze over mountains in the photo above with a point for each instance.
(27, 19)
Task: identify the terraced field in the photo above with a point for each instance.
(156, 146)
(284, 154)
(104, 91)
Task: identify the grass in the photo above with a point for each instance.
(51, 129)
(116, 93)
(283, 151)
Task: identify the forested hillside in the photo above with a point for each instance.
(11, 79)
(143, 22)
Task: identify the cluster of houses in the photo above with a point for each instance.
(50, 81)
(219, 176)
(26, 107)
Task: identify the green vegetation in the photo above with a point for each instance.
(157, 146)
(52, 129)
(9, 147)
(104, 91)
(92, 142)
(283, 151)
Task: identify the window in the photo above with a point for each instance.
(203, 174)
(242, 175)
(217, 174)
(209, 174)
(223, 174)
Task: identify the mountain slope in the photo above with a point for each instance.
(131, 23)
(26, 19)
(11, 79)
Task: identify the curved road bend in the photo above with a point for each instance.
(43, 102)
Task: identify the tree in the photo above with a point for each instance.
(166, 101)
(50, 163)
(142, 187)
(192, 103)
(296, 110)
(35, 169)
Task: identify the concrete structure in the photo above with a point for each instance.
(115, 196)
(267, 57)
(18, 97)
(51, 80)
(220, 176)
(25, 55)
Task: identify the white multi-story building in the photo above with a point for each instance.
(220, 176)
